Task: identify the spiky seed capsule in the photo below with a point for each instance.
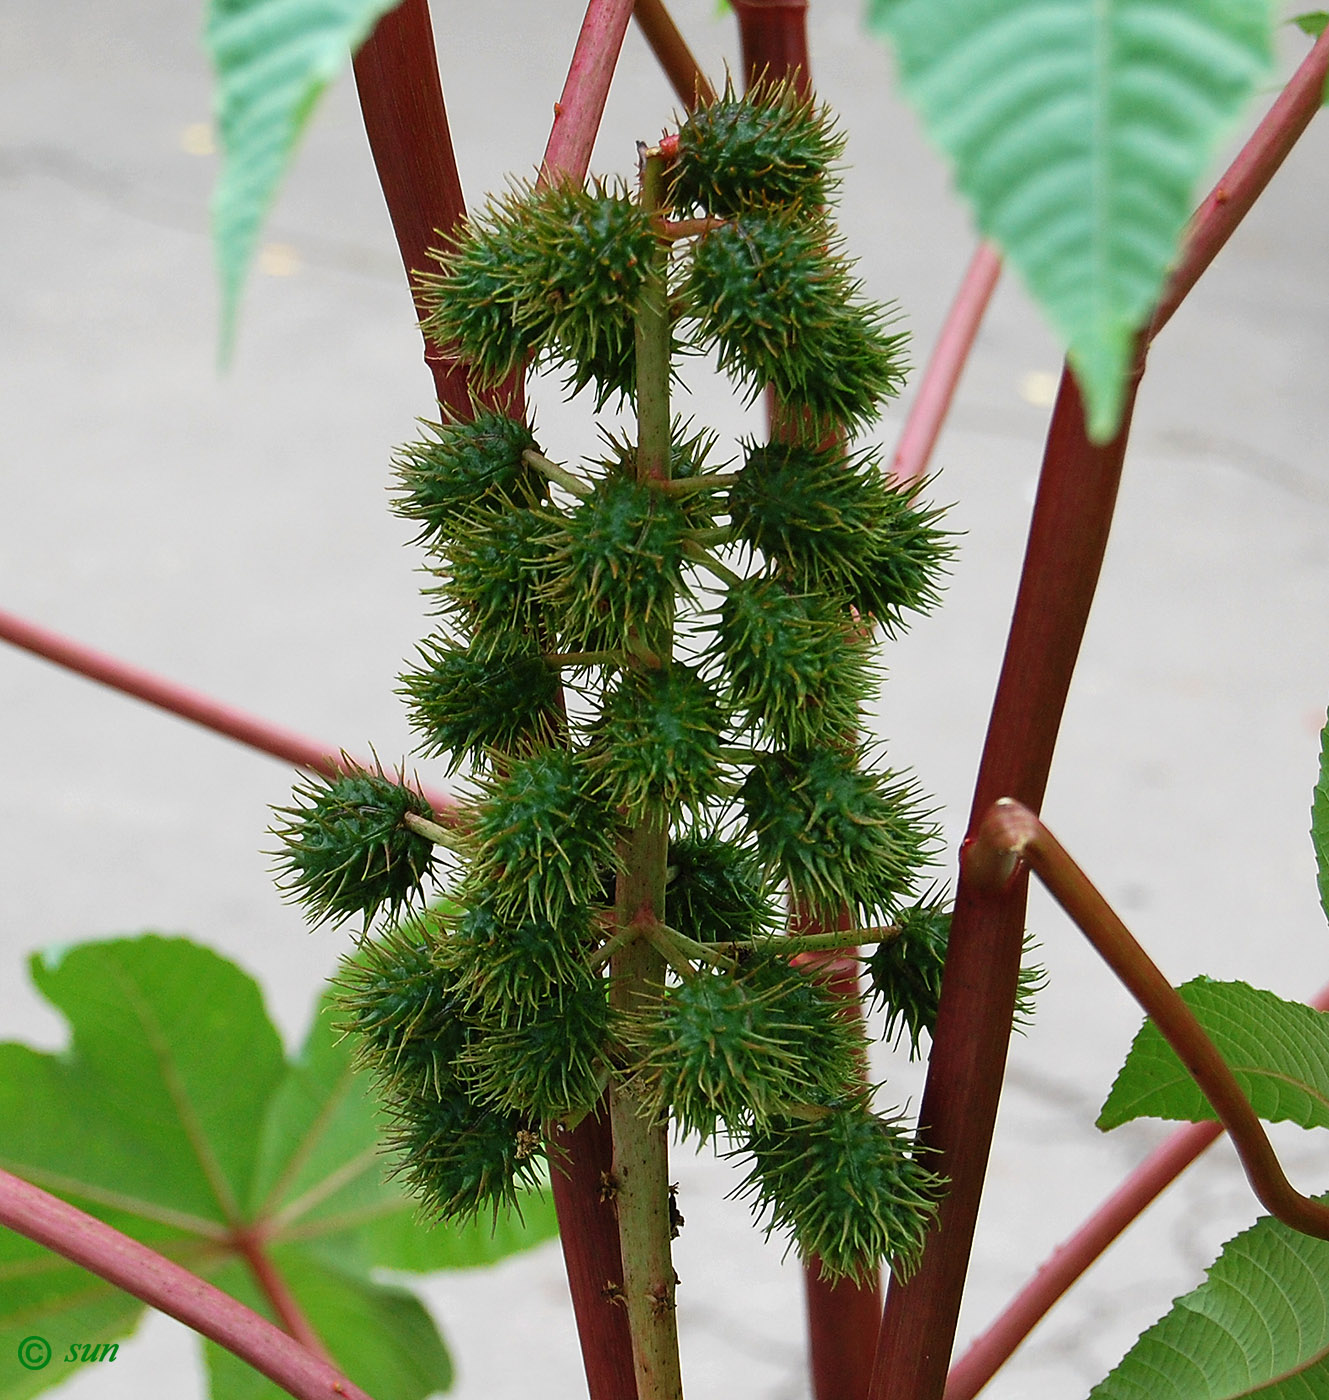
(616, 565)
(715, 890)
(741, 1048)
(490, 579)
(795, 664)
(839, 835)
(658, 741)
(833, 523)
(473, 302)
(460, 466)
(551, 270)
(345, 850)
(905, 974)
(465, 701)
(507, 965)
(547, 1060)
(848, 1188)
(688, 454)
(782, 308)
(540, 841)
(770, 146)
(461, 1157)
(402, 1009)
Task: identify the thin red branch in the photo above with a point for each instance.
(401, 98)
(1072, 514)
(842, 1319)
(164, 1285)
(936, 388)
(990, 1351)
(1010, 833)
(657, 25)
(251, 1246)
(193, 705)
(577, 114)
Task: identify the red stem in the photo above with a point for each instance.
(401, 97)
(672, 53)
(192, 705)
(1010, 833)
(166, 1286)
(1067, 535)
(774, 35)
(936, 389)
(842, 1318)
(577, 114)
(990, 1351)
(249, 1243)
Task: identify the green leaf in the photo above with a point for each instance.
(1320, 822)
(1278, 1050)
(1258, 1325)
(1313, 22)
(1079, 133)
(273, 58)
(175, 1117)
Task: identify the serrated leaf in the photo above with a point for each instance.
(1320, 823)
(1278, 1050)
(1078, 133)
(273, 58)
(1258, 1325)
(175, 1117)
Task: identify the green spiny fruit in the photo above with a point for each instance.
(540, 840)
(716, 891)
(834, 523)
(464, 701)
(491, 576)
(839, 835)
(795, 664)
(848, 1187)
(463, 465)
(461, 1156)
(508, 965)
(658, 741)
(473, 303)
(402, 1008)
(770, 146)
(688, 454)
(741, 1048)
(555, 270)
(782, 309)
(345, 847)
(616, 565)
(905, 974)
(548, 1060)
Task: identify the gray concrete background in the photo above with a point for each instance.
(232, 532)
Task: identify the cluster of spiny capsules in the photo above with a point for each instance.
(490, 1016)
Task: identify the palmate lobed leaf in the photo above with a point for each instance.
(1078, 133)
(1257, 1326)
(273, 58)
(1278, 1050)
(173, 1115)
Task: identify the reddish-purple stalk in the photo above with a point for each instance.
(936, 388)
(199, 709)
(1010, 835)
(1072, 515)
(166, 1286)
(691, 85)
(579, 111)
(423, 192)
(842, 1317)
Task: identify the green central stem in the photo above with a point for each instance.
(641, 1148)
